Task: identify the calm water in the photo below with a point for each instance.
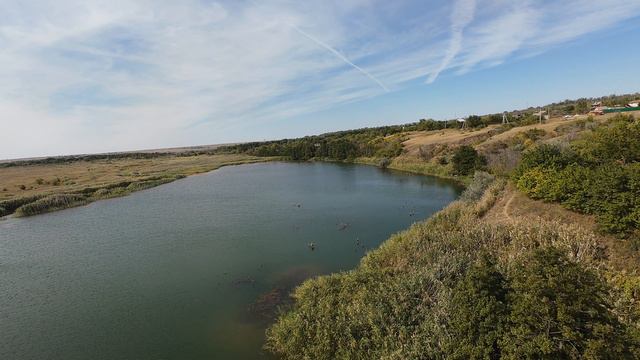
(192, 269)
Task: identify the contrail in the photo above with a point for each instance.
(461, 16)
(340, 56)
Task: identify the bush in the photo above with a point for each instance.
(384, 163)
(51, 203)
(466, 159)
(10, 206)
(431, 293)
(599, 175)
(618, 141)
(559, 310)
(479, 312)
(545, 156)
(481, 180)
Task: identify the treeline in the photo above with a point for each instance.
(382, 142)
(599, 174)
(583, 105)
(90, 157)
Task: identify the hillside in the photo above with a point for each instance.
(498, 274)
(539, 259)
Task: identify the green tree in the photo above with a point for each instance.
(545, 156)
(582, 107)
(466, 159)
(478, 313)
(474, 121)
(559, 310)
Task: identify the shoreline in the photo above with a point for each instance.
(43, 203)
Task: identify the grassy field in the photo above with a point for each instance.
(48, 187)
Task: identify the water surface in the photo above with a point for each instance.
(192, 269)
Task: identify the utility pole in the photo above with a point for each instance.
(540, 115)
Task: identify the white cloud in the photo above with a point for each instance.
(94, 75)
(461, 16)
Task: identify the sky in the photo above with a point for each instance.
(86, 76)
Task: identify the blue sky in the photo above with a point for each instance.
(94, 76)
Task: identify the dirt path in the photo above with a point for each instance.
(505, 209)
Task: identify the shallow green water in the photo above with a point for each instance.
(181, 271)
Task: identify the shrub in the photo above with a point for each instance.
(618, 141)
(479, 312)
(481, 180)
(466, 159)
(431, 293)
(10, 206)
(545, 156)
(599, 175)
(51, 203)
(384, 163)
(559, 310)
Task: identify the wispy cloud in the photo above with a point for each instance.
(461, 16)
(91, 75)
(341, 57)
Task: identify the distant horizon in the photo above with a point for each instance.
(95, 77)
(211, 146)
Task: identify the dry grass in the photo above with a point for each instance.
(514, 207)
(33, 189)
(73, 177)
(486, 136)
(447, 136)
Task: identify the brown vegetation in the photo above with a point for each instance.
(58, 186)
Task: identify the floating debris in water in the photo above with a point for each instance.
(267, 306)
(264, 309)
(244, 281)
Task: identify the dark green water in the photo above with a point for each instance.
(175, 272)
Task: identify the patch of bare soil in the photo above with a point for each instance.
(512, 206)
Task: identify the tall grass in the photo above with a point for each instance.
(8, 207)
(40, 204)
(51, 203)
(397, 303)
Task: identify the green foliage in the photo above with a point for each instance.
(384, 163)
(479, 312)
(475, 190)
(51, 203)
(475, 121)
(432, 293)
(618, 141)
(375, 142)
(8, 207)
(466, 160)
(559, 310)
(582, 106)
(544, 156)
(599, 175)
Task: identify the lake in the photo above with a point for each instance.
(197, 268)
